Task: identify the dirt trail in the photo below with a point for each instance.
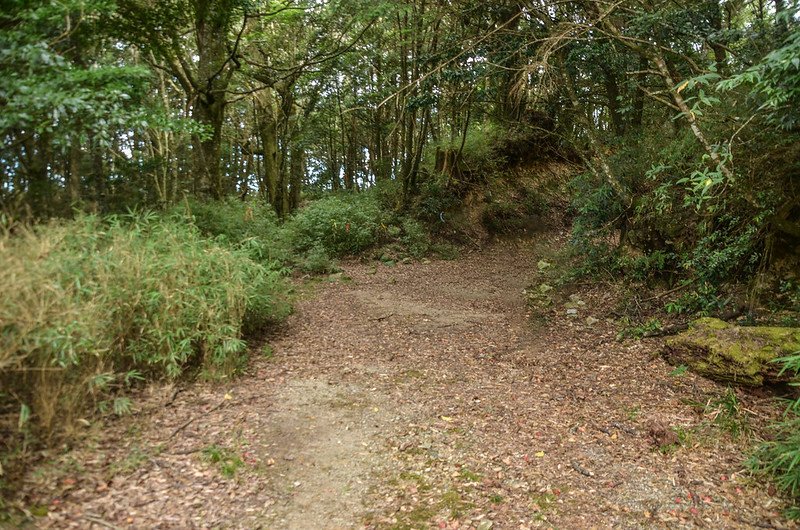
(420, 396)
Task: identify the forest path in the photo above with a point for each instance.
(427, 395)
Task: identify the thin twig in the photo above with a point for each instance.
(97, 520)
(667, 293)
(172, 398)
(582, 470)
(190, 420)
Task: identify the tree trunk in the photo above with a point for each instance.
(98, 175)
(715, 20)
(781, 27)
(613, 96)
(209, 110)
(638, 99)
(74, 172)
(296, 173)
(351, 155)
(605, 169)
(268, 132)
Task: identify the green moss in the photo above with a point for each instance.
(468, 475)
(544, 501)
(709, 323)
(415, 519)
(452, 501)
(419, 516)
(742, 355)
(422, 484)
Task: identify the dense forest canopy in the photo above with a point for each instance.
(111, 104)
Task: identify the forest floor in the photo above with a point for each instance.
(428, 395)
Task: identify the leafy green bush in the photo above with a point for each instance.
(415, 237)
(317, 261)
(703, 300)
(435, 199)
(779, 458)
(327, 228)
(596, 207)
(94, 305)
(339, 224)
(249, 226)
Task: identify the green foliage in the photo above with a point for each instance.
(703, 300)
(316, 260)
(225, 459)
(96, 305)
(788, 297)
(342, 225)
(248, 226)
(685, 438)
(436, 199)
(415, 237)
(775, 82)
(596, 206)
(339, 225)
(726, 413)
(679, 371)
(732, 248)
(43, 87)
(327, 228)
(481, 152)
(638, 331)
(648, 266)
(779, 458)
(446, 251)
(591, 235)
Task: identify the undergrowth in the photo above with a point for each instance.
(779, 458)
(95, 306)
(312, 238)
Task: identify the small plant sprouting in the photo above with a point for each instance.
(679, 371)
(726, 413)
(779, 458)
(684, 438)
(228, 461)
(633, 413)
(639, 331)
(470, 476)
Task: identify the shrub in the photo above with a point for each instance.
(340, 225)
(436, 199)
(415, 238)
(317, 261)
(94, 305)
(779, 458)
(249, 226)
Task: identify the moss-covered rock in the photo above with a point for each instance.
(734, 354)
